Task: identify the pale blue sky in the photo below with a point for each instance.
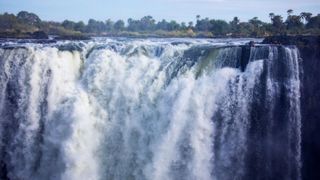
(180, 10)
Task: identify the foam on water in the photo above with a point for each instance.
(148, 109)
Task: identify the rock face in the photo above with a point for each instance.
(72, 37)
(309, 47)
(39, 35)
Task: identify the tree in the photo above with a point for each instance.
(245, 29)
(109, 25)
(173, 26)
(119, 25)
(28, 18)
(234, 25)
(219, 27)
(183, 26)
(7, 21)
(80, 26)
(314, 22)
(95, 26)
(133, 25)
(306, 16)
(235, 21)
(198, 17)
(163, 25)
(277, 24)
(271, 15)
(68, 24)
(147, 23)
(257, 24)
(294, 24)
(203, 24)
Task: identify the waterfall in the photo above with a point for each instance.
(149, 109)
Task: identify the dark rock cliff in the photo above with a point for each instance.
(309, 47)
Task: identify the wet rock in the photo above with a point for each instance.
(39, 35)
(72, 37)
(309, 48)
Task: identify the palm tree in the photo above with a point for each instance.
(236, 20)
(290, 11)
(198, 17)
(271, 15)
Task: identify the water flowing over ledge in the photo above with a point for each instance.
(149, 109)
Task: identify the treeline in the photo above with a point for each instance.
(303, 23)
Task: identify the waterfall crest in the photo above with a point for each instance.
(143, 109)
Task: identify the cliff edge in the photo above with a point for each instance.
(309, 48)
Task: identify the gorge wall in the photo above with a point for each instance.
(309, 48)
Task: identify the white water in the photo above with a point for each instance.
(135, 110)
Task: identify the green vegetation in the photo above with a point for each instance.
(28, 25)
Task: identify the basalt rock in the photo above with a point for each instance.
(309, 47)
(39, 35)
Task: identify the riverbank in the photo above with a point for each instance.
(128, 34)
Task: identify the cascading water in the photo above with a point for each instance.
(149, 109)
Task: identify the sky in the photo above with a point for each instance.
(179, 10)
